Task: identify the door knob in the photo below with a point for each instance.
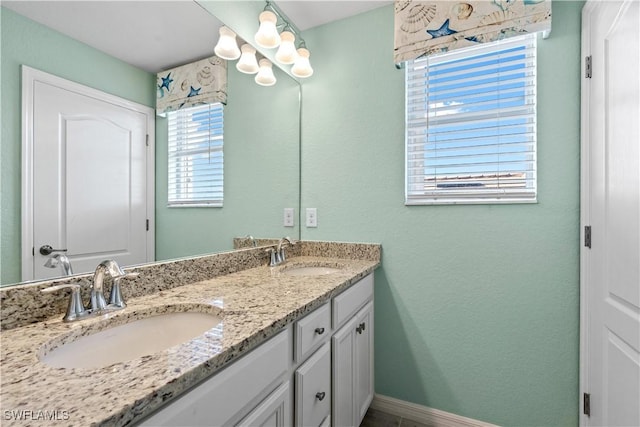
(48, 250)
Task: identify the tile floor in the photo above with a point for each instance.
(375, 418)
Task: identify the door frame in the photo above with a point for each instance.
(585, 208)
(29, 77)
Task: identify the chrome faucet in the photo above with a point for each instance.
(278, 255)
(97, 292)
(76, 309)
(63, 261)
(252, 240)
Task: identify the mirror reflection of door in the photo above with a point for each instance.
(91, 194)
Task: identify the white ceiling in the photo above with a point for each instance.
(156, 35)
(308, 14)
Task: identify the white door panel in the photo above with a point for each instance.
(611, 277)
(91, 190)
(98, 177)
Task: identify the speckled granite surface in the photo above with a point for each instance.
(254, 304)
(24, 304)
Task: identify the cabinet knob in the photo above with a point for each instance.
(319, 331)
(361, 327)
(320, 395)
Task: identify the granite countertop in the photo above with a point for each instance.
(253, 304)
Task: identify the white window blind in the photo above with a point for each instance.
(471, 125)
(195, 159)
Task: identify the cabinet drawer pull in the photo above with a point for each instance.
(319, 331)
(320, 395)
(360, 328)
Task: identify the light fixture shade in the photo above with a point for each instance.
(265, 75)
(302, 67)
(267, 35)
(247, 63)
(227, 47)
(287, 51)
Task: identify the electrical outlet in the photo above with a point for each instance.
(312, 217)
(288, 217)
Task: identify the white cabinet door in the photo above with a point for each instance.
(364, 362)
(274, 411)
(353, 369)
(343, 365)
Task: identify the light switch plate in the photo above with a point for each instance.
(288, 217)
(312, 217)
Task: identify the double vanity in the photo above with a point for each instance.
(224, 339)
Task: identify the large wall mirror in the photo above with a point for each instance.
(261, 124)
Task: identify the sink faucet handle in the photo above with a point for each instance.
(115, 298)
(75, 309)
(72, 286)
(131, 275)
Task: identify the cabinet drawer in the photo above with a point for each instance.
(313, 388)
(312, 331)
(350, 301)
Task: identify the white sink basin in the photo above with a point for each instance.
(309, 271)
(131, 340)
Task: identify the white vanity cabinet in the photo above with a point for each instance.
(316, 373)
(352, 354)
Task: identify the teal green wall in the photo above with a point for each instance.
(261, 172)
(476, 306)
(26, 42)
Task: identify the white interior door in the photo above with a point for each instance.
(611, 206)
(90, 188)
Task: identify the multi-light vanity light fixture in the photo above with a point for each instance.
(271, 20)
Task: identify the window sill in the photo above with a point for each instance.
(470, 202)
(195, 205)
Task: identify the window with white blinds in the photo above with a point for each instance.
(195, 159)
(471, 125)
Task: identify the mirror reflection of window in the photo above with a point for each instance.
(195, 156)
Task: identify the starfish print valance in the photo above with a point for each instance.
(428, 27)
(197, 83)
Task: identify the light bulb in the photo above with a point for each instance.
(287, 51)
(302, 67)
(267, 35)
(247, 63)
(265, 75)
(227, 47)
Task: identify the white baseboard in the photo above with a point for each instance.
(423, 414)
